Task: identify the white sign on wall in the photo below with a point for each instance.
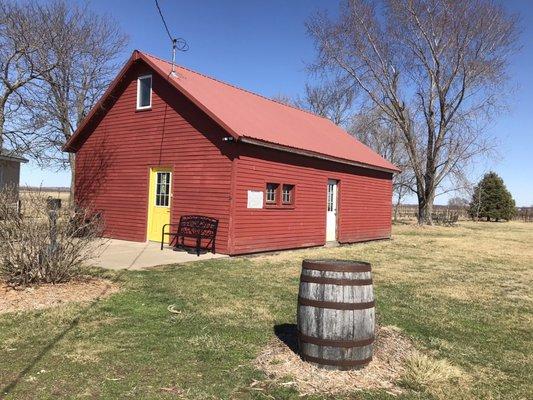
(255, 199)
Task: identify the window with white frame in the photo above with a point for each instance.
(144, 92)
(287, 194)
(271, 193)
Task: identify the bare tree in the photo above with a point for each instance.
(86, 51)
(373, 128)
(332, 100)
(21, 47)
(434, 67)
(458, 202)
(285, 99)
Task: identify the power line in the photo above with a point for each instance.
(180, 43)
(163, 19)
(177, 43)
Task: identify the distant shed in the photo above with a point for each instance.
(162, 144)
(10, 169)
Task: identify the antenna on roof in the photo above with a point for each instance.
(177, 43)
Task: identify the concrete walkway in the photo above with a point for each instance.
(120, 254)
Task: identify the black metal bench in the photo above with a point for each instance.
(197, 227)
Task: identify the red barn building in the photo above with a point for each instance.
(161, 144)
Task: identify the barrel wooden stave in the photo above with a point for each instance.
(334, 324)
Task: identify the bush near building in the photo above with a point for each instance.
(44, 245)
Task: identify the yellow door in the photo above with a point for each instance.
(158, 202)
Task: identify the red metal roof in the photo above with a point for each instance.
(250, 117)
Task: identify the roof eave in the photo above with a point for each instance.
(13, 158)
(313, 154)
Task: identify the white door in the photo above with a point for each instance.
(331, 219)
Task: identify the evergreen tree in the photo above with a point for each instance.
(492, 200)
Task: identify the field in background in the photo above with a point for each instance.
(29, 195)
(410, 212)
(56, 193)
(462, 294)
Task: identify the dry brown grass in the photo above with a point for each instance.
(62, 194)
(395, 360)
(27, 195)
(45, 296)
(450, 274)
(438, 377)
(461, 260)
(462, 297)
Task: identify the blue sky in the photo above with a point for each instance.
(263, 47)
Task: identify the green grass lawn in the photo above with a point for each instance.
(462, 294)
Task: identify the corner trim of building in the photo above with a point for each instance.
(232, 196)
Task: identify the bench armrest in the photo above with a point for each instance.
(163, 233)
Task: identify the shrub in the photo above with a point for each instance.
(42, 245)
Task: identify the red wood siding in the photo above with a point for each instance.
(364, 201)
(112, 167)
(212, 177)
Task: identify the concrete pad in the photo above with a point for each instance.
(121, 254)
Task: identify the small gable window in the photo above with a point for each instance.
(144, 92)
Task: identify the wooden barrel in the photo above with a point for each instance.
(336, 313)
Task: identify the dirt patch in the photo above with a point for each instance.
(45, 296)
(391, 350)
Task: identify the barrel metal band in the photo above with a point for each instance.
(341, 267)
(339, 363)
(334, 342)
(334, 305)
(335, 281)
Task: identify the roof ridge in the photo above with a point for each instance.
(236, 87)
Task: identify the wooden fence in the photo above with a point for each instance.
(410, 211)
(524, 214)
